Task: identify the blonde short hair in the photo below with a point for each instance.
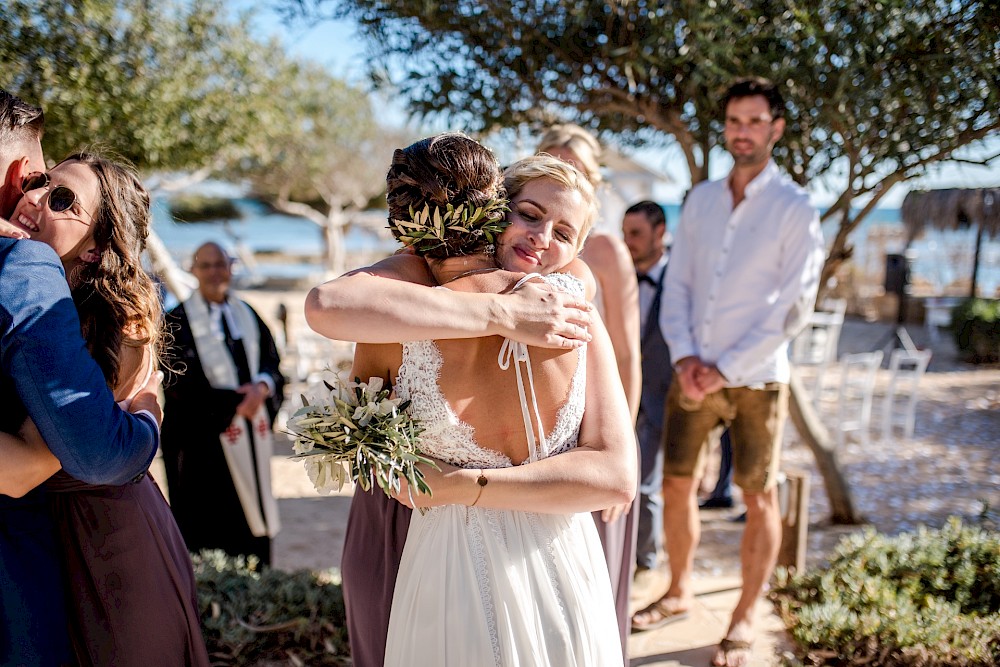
(584, 145)
(522, 172)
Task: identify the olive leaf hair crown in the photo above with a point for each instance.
(452, 230)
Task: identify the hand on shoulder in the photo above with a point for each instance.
(9, 230)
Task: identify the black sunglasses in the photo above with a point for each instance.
(61, 198)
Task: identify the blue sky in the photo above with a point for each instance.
(336, 45)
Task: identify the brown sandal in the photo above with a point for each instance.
(726, 646)
(666, 616)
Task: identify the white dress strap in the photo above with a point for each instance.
(518, 353)
(525, 279)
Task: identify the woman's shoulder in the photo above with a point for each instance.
(135, 368)
(567, 282)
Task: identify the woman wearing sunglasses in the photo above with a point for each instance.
(132, 594)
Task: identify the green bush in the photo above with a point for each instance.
(197, 208)
(976, 326)
(256, 616)
(927, 599)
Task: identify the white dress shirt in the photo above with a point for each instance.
(742, 281)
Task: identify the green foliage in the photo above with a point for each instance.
(877, 89)
(930, 598)
(457, 230)
(253, 615)
(320, 145)
(181, 85)
(197, 208)
(976, 326)
(169, 85)
(358, 432)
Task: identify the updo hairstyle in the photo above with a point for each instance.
(440, 170)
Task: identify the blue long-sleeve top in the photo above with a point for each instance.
(44, 360)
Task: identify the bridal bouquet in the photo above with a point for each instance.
(359, 433)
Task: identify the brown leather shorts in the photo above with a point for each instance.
(756, 420)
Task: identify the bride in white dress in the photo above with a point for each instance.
(505, 568)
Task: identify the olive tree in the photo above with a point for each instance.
(185, 90)
(878, 90)
(318, 153)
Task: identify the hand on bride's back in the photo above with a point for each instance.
(542, 316)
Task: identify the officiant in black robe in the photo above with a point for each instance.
(223, 388)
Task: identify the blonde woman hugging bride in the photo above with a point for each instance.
(505, 568)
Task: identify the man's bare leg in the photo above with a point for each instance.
(759, 554)
(681, 532)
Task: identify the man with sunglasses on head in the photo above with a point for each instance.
(47, 375)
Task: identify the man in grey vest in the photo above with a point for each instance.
(644, 228)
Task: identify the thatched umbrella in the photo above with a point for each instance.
(951, 209)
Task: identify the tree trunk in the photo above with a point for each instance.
(333, 240)
(823, 447)
(180, 283)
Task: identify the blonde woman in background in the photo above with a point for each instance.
(617, 301)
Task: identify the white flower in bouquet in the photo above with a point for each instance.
(358, 432)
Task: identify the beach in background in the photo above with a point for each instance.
(278, 250)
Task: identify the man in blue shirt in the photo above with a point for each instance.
(47, 374)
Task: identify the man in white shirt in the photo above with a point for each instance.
(644, 228)
(743, 278)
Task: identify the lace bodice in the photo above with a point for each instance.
(447, 437)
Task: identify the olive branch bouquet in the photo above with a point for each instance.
(452, 227)
(359, 433)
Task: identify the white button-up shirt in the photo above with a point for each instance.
(742, 281)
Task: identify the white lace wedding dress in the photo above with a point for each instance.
(483, 586)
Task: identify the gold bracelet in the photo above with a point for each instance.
(482, 481)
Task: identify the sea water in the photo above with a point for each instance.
(939, 259)
(259, 234)
(271, 244)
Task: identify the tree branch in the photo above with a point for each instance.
(301, 210)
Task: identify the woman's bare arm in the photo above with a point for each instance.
(598, 473)
(611, 263)
(27, 462)
(393, 301)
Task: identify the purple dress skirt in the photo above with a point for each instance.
(619, 541)
(373, 546)
(132, 599)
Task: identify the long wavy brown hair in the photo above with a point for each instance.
(117, 301)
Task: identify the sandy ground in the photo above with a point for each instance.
(949, 467)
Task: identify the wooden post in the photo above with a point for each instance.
(793, 494)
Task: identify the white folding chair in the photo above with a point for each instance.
(816, 345)
(854, 398)
(313, 354)
(899, 407)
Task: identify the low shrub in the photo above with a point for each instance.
(198, 208)
(976, 326)
(928, 599)
(257, 616)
